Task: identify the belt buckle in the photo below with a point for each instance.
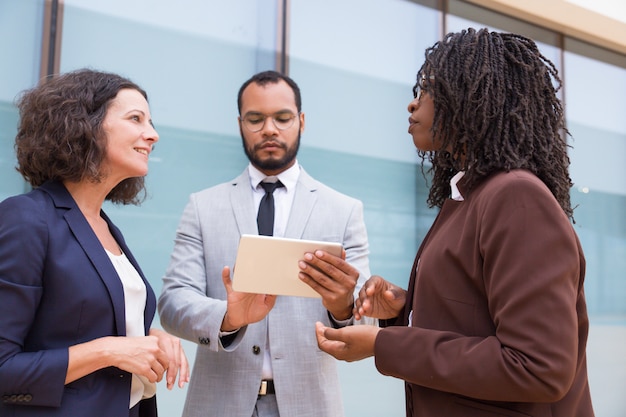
(263, 388)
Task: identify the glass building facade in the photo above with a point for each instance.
(355, 62)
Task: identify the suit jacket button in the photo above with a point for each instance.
(256, 350)
(204, 340)
(28, 398)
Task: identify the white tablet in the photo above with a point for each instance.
(269, 264)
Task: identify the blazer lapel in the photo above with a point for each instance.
(304, 201)
(150, 308)
(92, 248)
(243, 205)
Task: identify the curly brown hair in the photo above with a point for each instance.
(496, 109)
(60, 135)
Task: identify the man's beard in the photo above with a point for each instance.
(272, 164)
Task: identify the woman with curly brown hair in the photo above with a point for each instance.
(494, 321)
(75, 308)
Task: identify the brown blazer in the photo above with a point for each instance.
(499, 321)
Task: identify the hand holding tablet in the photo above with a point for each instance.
(269, 264)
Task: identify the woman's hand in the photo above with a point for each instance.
(138, 355)
(380, 299)
(350, 343)
(148, 356)
(178, 364)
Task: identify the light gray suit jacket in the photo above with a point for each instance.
(225, 380)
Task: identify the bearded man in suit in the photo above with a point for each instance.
(257, 354)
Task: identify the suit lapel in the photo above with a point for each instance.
(150, 308)
(93, 250)
(243, 205)
(304, 201)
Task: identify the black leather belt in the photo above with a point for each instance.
(267, 387)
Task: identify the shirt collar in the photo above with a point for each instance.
(455, 194)
(289, 177)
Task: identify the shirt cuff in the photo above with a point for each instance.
(338, 324)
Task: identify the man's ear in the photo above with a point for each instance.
(301, 122)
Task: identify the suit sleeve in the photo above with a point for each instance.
(531, 274)
(356, 244)
(184, 306)
(36, 375)
(357, 252)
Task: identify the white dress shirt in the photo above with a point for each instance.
(283, 198)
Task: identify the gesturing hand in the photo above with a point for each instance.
(351, 343)
(243, 308)
(379, 299)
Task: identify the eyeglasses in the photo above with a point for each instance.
(422, 87)
(254, 122)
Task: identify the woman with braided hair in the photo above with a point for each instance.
(494, 321)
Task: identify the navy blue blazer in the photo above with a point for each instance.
(58, 288)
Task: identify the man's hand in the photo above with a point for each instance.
(243, 308)
(333, 278)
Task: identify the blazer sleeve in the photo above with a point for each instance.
(23, 239)
(356, 244)
(531, 278)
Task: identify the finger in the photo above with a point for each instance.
(357, 302)
(171, 373)
(394, 294)
(152, 375)
(327, 263)
(329, 271)
(336, 264)
(270, 300)
(333, 334)
(374, 285)
(319, 331)
(313, 278)
(181, 369)
(171, 347)
(363, 295)
(318, 269)
(174, 365)
(162, 364)
(332, 347)
(183, 376)
(322, 340)
(228, 283)
(158, 368)
(365, 307)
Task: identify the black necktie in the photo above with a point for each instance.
(265, 218)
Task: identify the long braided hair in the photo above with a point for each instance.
(496, 109)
